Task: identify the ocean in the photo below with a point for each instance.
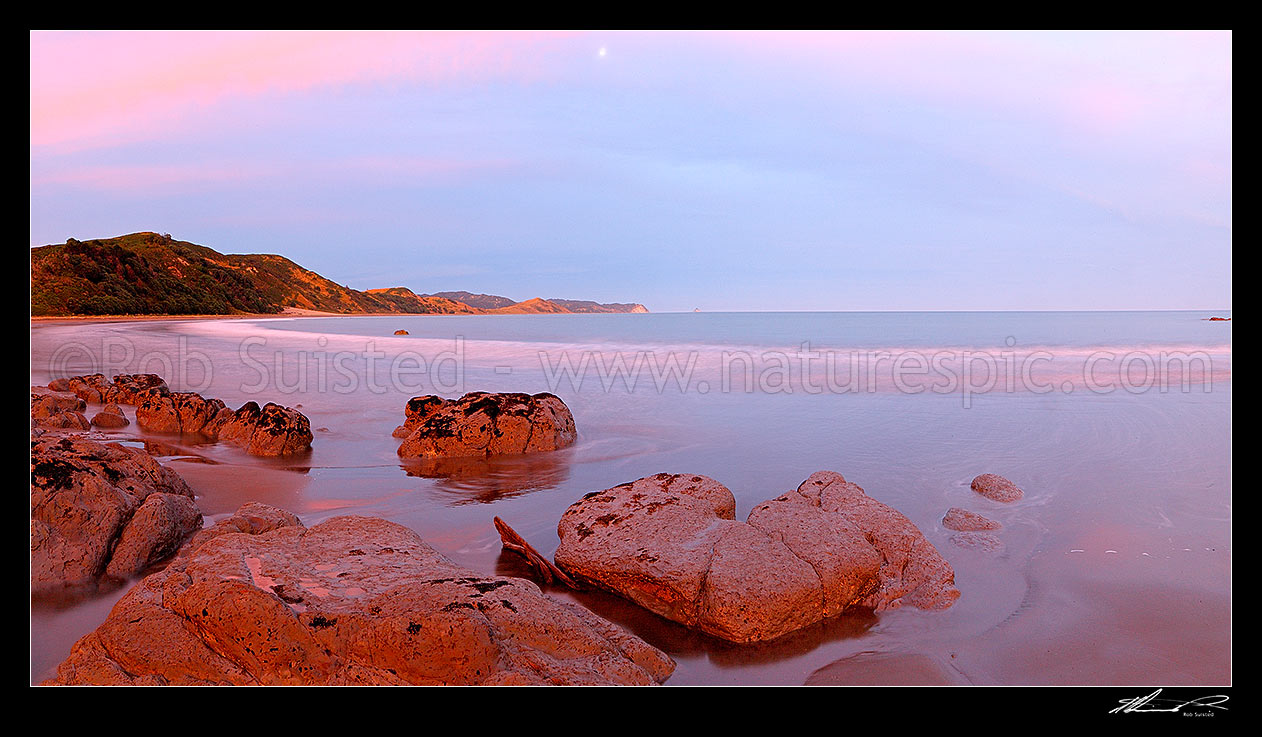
(1114, 569)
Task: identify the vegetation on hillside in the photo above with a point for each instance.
(152, 274)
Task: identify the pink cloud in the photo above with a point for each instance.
(91, 88)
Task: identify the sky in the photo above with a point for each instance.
(720, 171)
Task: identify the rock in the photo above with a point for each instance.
(671, 544)
(86, 520)
(963, 520)
(176, 412)
(482, 424)
(65, 421)
(418, 410)
(52, 402)
(90, 388)
(271, 431)
(155, 531)
(980, 541)
(109, 420)
(58, 411)
(111, 417)
(129, 388)
(123, 389)
(258, 599)
(401, 332)
(996, 487)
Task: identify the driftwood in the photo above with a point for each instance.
(545, 569)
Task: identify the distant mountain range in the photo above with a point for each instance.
(152, 274)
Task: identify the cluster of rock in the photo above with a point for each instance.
(974, 531)
(270, 430)
(484, 424)
(123, 389)
(671, 544)
(259, 599)
(102, 511)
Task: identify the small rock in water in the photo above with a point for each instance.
(484, 424)
(998, 488)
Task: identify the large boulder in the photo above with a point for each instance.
(482, 424)
(259, 599)
(102, 510)
(671, 544)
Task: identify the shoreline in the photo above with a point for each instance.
(286, 313)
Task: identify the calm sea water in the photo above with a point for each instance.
(1114, 569)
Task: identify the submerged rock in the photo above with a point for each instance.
(963, 520)
(259, 599)
(998, 488)
(102, 510)
(983, 542)
(482, 424)
(401, 332)
(671, 544)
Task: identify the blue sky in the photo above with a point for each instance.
(721, 171)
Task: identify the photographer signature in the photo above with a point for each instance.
(1151, 703)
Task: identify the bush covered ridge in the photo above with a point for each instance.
(141, 274)
(152, 274)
